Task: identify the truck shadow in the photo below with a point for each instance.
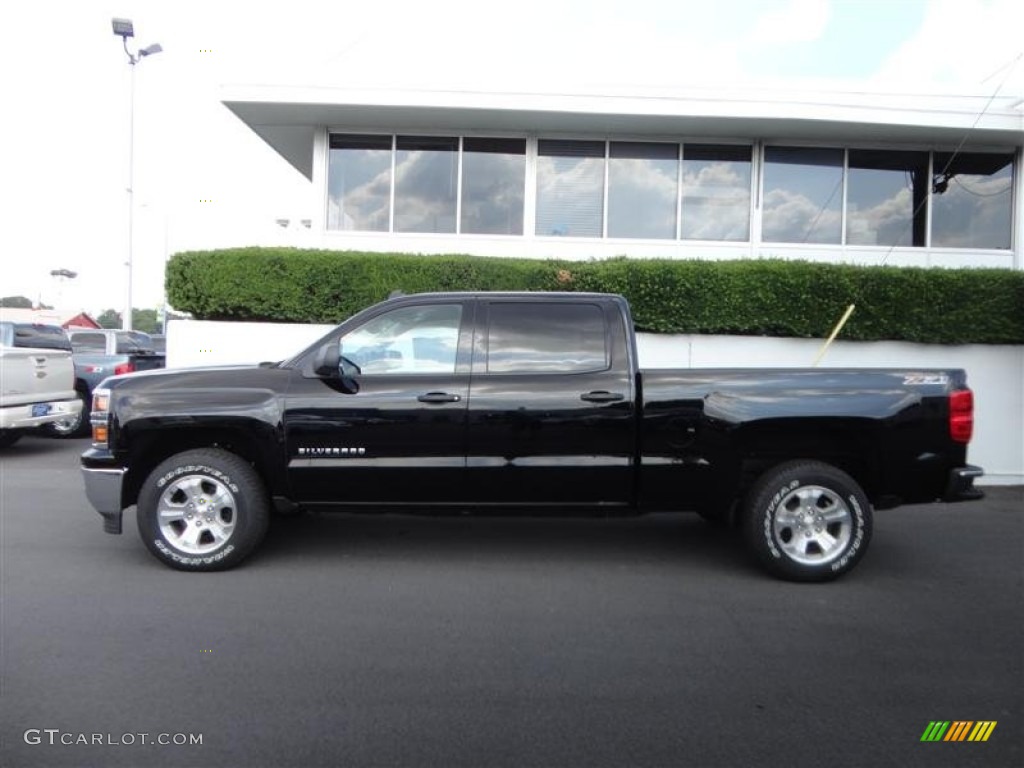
(676, 537)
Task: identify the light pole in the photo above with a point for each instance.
(123, 28)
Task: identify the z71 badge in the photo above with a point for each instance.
(925, 379)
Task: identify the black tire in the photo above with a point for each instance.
(77, 426)
(9, 437)
(216, 510)
(807, 521)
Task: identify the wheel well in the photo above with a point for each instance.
(152, 448)
(847, 445)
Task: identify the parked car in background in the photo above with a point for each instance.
(37, 379)
(99, 353)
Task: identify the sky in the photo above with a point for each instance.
(203, 179)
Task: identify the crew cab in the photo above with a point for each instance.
(522, 403)
(36, 379)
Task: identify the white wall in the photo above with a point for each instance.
(995, 373)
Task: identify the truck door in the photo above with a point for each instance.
(551, 407)
(400, 438)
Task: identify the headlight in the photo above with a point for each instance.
(100, 418)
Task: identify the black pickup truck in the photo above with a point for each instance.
(522, 403)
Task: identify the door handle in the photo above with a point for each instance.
(439, 397)
(602, 396)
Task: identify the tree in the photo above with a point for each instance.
(145, 320)
(16, 302)
(109, 318)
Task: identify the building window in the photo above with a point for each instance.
(493, 186)
(426, 183)
(570, 188)
(886, 196)
(972, 200)
(359, 183)
(803, 195)
(643, 181)
(716, 192)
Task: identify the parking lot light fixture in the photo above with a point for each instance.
(124, 29)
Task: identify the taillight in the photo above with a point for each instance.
(124, 368)
(961, 415)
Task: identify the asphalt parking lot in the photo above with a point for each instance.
(393, 641)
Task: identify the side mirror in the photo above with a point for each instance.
(338, 371)
(349, 370)
(327, 360)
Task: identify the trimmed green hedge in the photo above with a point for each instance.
(766, 297)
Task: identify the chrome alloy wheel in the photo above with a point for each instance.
(813, 525)
(196, 514)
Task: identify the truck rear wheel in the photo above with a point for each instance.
(807, 521)
(203, 510)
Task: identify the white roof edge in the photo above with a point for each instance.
(745, 102)
(286, 117)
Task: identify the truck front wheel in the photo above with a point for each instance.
(203, 510)
(807, 521)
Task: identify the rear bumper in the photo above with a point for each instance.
(103, 489)
(20, 416)
(960, 486)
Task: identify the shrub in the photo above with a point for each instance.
(752, 297)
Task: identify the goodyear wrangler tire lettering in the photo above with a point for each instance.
(807, 521)
(203, 510)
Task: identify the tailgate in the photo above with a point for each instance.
(148, 362)
(35, 375)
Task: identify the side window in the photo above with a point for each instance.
(422, 339)
(133, 342)
(89, 342)
(39, 336)
(546, 337)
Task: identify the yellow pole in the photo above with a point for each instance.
(835, 332)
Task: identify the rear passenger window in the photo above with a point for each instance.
(39, 336)
(546, 337)
(89, 342)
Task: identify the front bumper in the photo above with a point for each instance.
(960, 486)
(103, 489)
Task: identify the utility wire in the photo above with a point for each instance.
(1009, 71)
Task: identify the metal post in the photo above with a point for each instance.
(126, 318)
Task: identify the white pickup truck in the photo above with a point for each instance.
(37, 378)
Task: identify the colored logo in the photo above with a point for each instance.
(958, 730)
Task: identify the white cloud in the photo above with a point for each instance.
(965, 43)
(797, 21)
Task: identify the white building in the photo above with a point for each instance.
(899, 179)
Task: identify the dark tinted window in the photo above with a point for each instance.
(89, 342)
(134, 342)
(528, 337)
(40, 336)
